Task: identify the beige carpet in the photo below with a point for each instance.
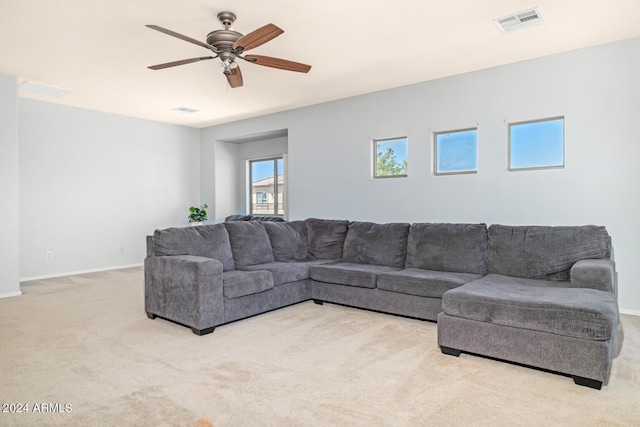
(84, 341)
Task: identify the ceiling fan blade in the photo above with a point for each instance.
(281, 64)
(258, 37)
(235, 77)
(182, 37)
(181, 62)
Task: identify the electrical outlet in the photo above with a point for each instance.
(48, 255)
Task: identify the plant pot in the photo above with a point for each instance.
(193, 223)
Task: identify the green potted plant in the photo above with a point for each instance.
(197, 215)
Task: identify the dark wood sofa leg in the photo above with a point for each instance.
(151, 315)
(317, 301)
(204, 331)
(587, 382)
(450, 351)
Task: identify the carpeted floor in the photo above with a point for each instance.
(81, 348)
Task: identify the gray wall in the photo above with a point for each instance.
(93, 185)
(9, 205)
(596, 89)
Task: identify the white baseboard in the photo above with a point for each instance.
(630, 312)
(73, 273)
(11, 294)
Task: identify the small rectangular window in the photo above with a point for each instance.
(267, 186)
(390, 157)
(536, 144)
(456, 151)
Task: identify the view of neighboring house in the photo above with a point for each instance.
(264, 200)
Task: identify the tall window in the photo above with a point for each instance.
(537, 144)
(267, 186)
(390, 157)
(456, 151)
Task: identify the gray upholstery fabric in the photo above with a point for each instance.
(577, 312)
(184, 288)
(457, 248)
(378, 299)
(210, 241)
(560, 353)
(278, 297)
(288, 240)
(249, 243)
(595, 274)
(326, 237)
(272, 218)
(290, 271)
(361, 275)
(425, 283)
(538, 252)
(376, 244)
(239, 283)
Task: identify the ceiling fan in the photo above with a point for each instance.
(228, 45)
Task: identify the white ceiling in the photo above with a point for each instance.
(100, 49)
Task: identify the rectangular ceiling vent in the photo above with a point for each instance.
(520, 21)
(184, 110)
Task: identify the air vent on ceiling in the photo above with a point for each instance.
(184, 110)
(519, 21)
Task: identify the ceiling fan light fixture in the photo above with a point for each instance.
(228, 45)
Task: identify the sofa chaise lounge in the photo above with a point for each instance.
(540, 296)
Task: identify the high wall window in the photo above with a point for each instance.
(390, 157)
(536, 144)
(266, 178)
(456, 151)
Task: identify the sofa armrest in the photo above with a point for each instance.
(595, 274)
(186, 289)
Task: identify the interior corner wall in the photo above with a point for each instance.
(9, 187)
(93, 185)
(596, 89)
(224, 176)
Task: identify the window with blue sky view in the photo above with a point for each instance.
(536, 144)
(390, 157)
(267, 186)
(456, 151)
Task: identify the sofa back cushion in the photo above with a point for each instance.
(210, 241)
(325, 237)
(542, 252)
(288, 240)
(377, 244)
(249, 243)
(456, 248)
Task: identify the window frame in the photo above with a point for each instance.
(276, 189)
(375, 156)
(533, 168)
(435, 152)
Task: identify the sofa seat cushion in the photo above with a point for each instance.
(576, 312)
(424, 283)
(285, 272)
(344, 273)
(238, 283)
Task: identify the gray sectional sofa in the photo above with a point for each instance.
(539, 296)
